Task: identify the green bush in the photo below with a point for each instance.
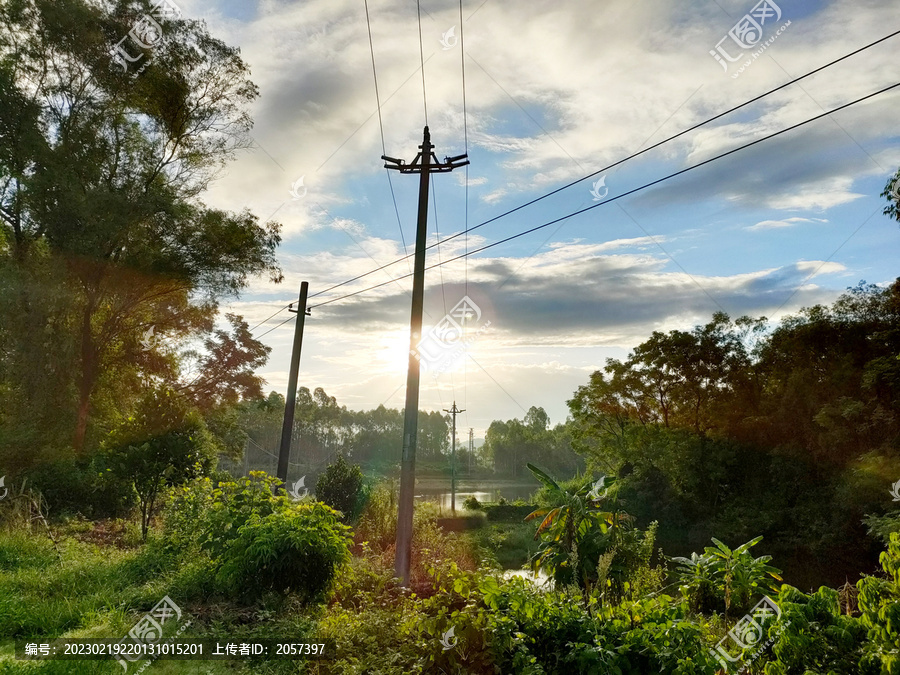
(813, 636)
(153, 460)
(507, 513)
(298, 549)
(81, 485)
(209, 516)
(471, 503)
(879, 606)
(340, 487)
(732, 577)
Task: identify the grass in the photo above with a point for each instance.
(96, 591)
(509, 544)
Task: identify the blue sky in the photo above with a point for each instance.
(554, 91)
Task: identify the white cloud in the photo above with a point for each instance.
(786, 222)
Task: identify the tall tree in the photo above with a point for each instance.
(101, 169)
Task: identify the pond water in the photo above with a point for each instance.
(541, 580)
(435, 491)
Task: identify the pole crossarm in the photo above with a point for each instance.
(433, 166)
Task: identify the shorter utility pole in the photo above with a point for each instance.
(471, 448)
(454, 411)
(287, 427)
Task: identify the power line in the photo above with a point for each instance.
(290, 318)
(630, 192)
(621, 161)
(381, 126)
(264, 320)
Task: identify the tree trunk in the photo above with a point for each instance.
(88, 379)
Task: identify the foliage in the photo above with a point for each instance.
(507, 513)
(471, 503)
(81, 485)
(732, 576)
(340, 486)
(108, 256)
(510, 445)
(881, 527)
(879, 605)
(585, 545)
(738, 428)
(378, 520)
(166, 444)
(300, 548)
(813, 636)
(208, 516)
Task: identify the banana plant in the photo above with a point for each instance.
(740, 573)
(574, 529)
(697, 577)
(733, 574)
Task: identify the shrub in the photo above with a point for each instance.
(471, 503)
(202, 513)
(879, 605)
(162, 445)
(812, 633)
(297, 549)
(507, 513)
(340, 487)
(378, 520)
(81, 485)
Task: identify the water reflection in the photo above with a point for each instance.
(442, 496)
(541, 579)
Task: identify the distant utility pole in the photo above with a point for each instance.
(454, 411)
(471, 448)
(287, 427)
(424, 164)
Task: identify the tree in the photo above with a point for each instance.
(99, 179)
(340, 486)
(166, 445)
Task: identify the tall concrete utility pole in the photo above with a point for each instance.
(454, 411)
(287, 426)
(424, 164)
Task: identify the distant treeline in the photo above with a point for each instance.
(373, 438)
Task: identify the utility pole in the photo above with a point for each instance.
(471, 448)
(424, 164)
(287, 427)
(454, 411)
